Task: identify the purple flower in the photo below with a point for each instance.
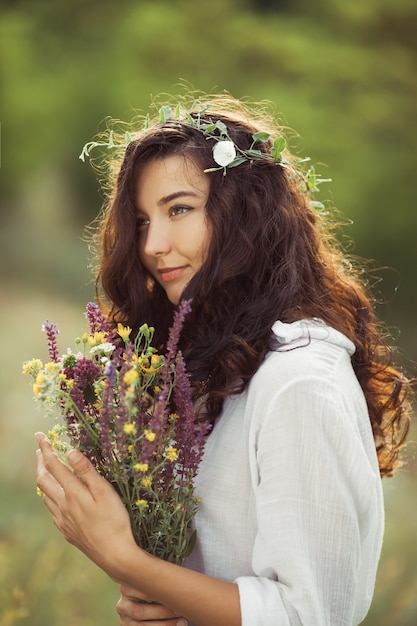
(51, 331)
(175, 331)
(106, 415)
(160, 414)
(84, 374)
(98, 322)
(190, 436)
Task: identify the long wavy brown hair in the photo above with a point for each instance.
(271, 256)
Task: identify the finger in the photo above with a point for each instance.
(126, 621)
(138, 597)
(85, 471)
(134, 594)
(141, 611)
(53, 465)
(46, 482)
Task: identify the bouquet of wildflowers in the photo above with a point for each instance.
(115, 397)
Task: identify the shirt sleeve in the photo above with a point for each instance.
(317, 510)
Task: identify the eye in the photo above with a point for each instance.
(179, 210)
(141, 222)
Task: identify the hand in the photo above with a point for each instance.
(84, 506)
(135, 608)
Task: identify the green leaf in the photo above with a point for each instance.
(318, 205)
(255, 154)
(277, 148)
(221, 127)
(261, 136)
(178, 111)
(207, 128)
(89, 394)
(311, 179)
(191, 543)
(237, 161)
(164, 114)
(205, 109)
(110, 143)
(128, 137)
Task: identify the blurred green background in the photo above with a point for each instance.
(343, 74)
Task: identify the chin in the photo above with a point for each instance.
(175, 297)
(175, 294)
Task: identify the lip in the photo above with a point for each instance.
(171, 273)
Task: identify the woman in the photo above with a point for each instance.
(286, 361)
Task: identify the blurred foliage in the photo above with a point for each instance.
(343, 74)
(44, 582)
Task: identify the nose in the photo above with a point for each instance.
(157, 239)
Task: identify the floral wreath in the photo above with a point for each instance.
(226, 154)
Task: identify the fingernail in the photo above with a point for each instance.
(40, 437)
(182, 622)
(74, 455)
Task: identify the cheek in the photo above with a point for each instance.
(143, 258)
(206, 246)
(202, 239)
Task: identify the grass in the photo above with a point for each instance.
(43, 580)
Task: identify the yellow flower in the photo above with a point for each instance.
(51, 367)
(157, 389)
(149, 435)
(146, 482)
(141, 467)
(156, 361)
(123, 331)
(130, 377)
(141, 503)
(37, 387)
(97, 338)
(129, 448)
(171, 454)
(32, 367)
(129, 429)
(173, 417)
(56, 431)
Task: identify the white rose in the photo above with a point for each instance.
(224, 152)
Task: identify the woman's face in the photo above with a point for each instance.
(171, 197)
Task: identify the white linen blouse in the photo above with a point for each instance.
(291, 500)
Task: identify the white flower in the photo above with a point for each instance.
(103, 347)
(224, 152)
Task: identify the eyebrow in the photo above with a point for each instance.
(175, 195)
